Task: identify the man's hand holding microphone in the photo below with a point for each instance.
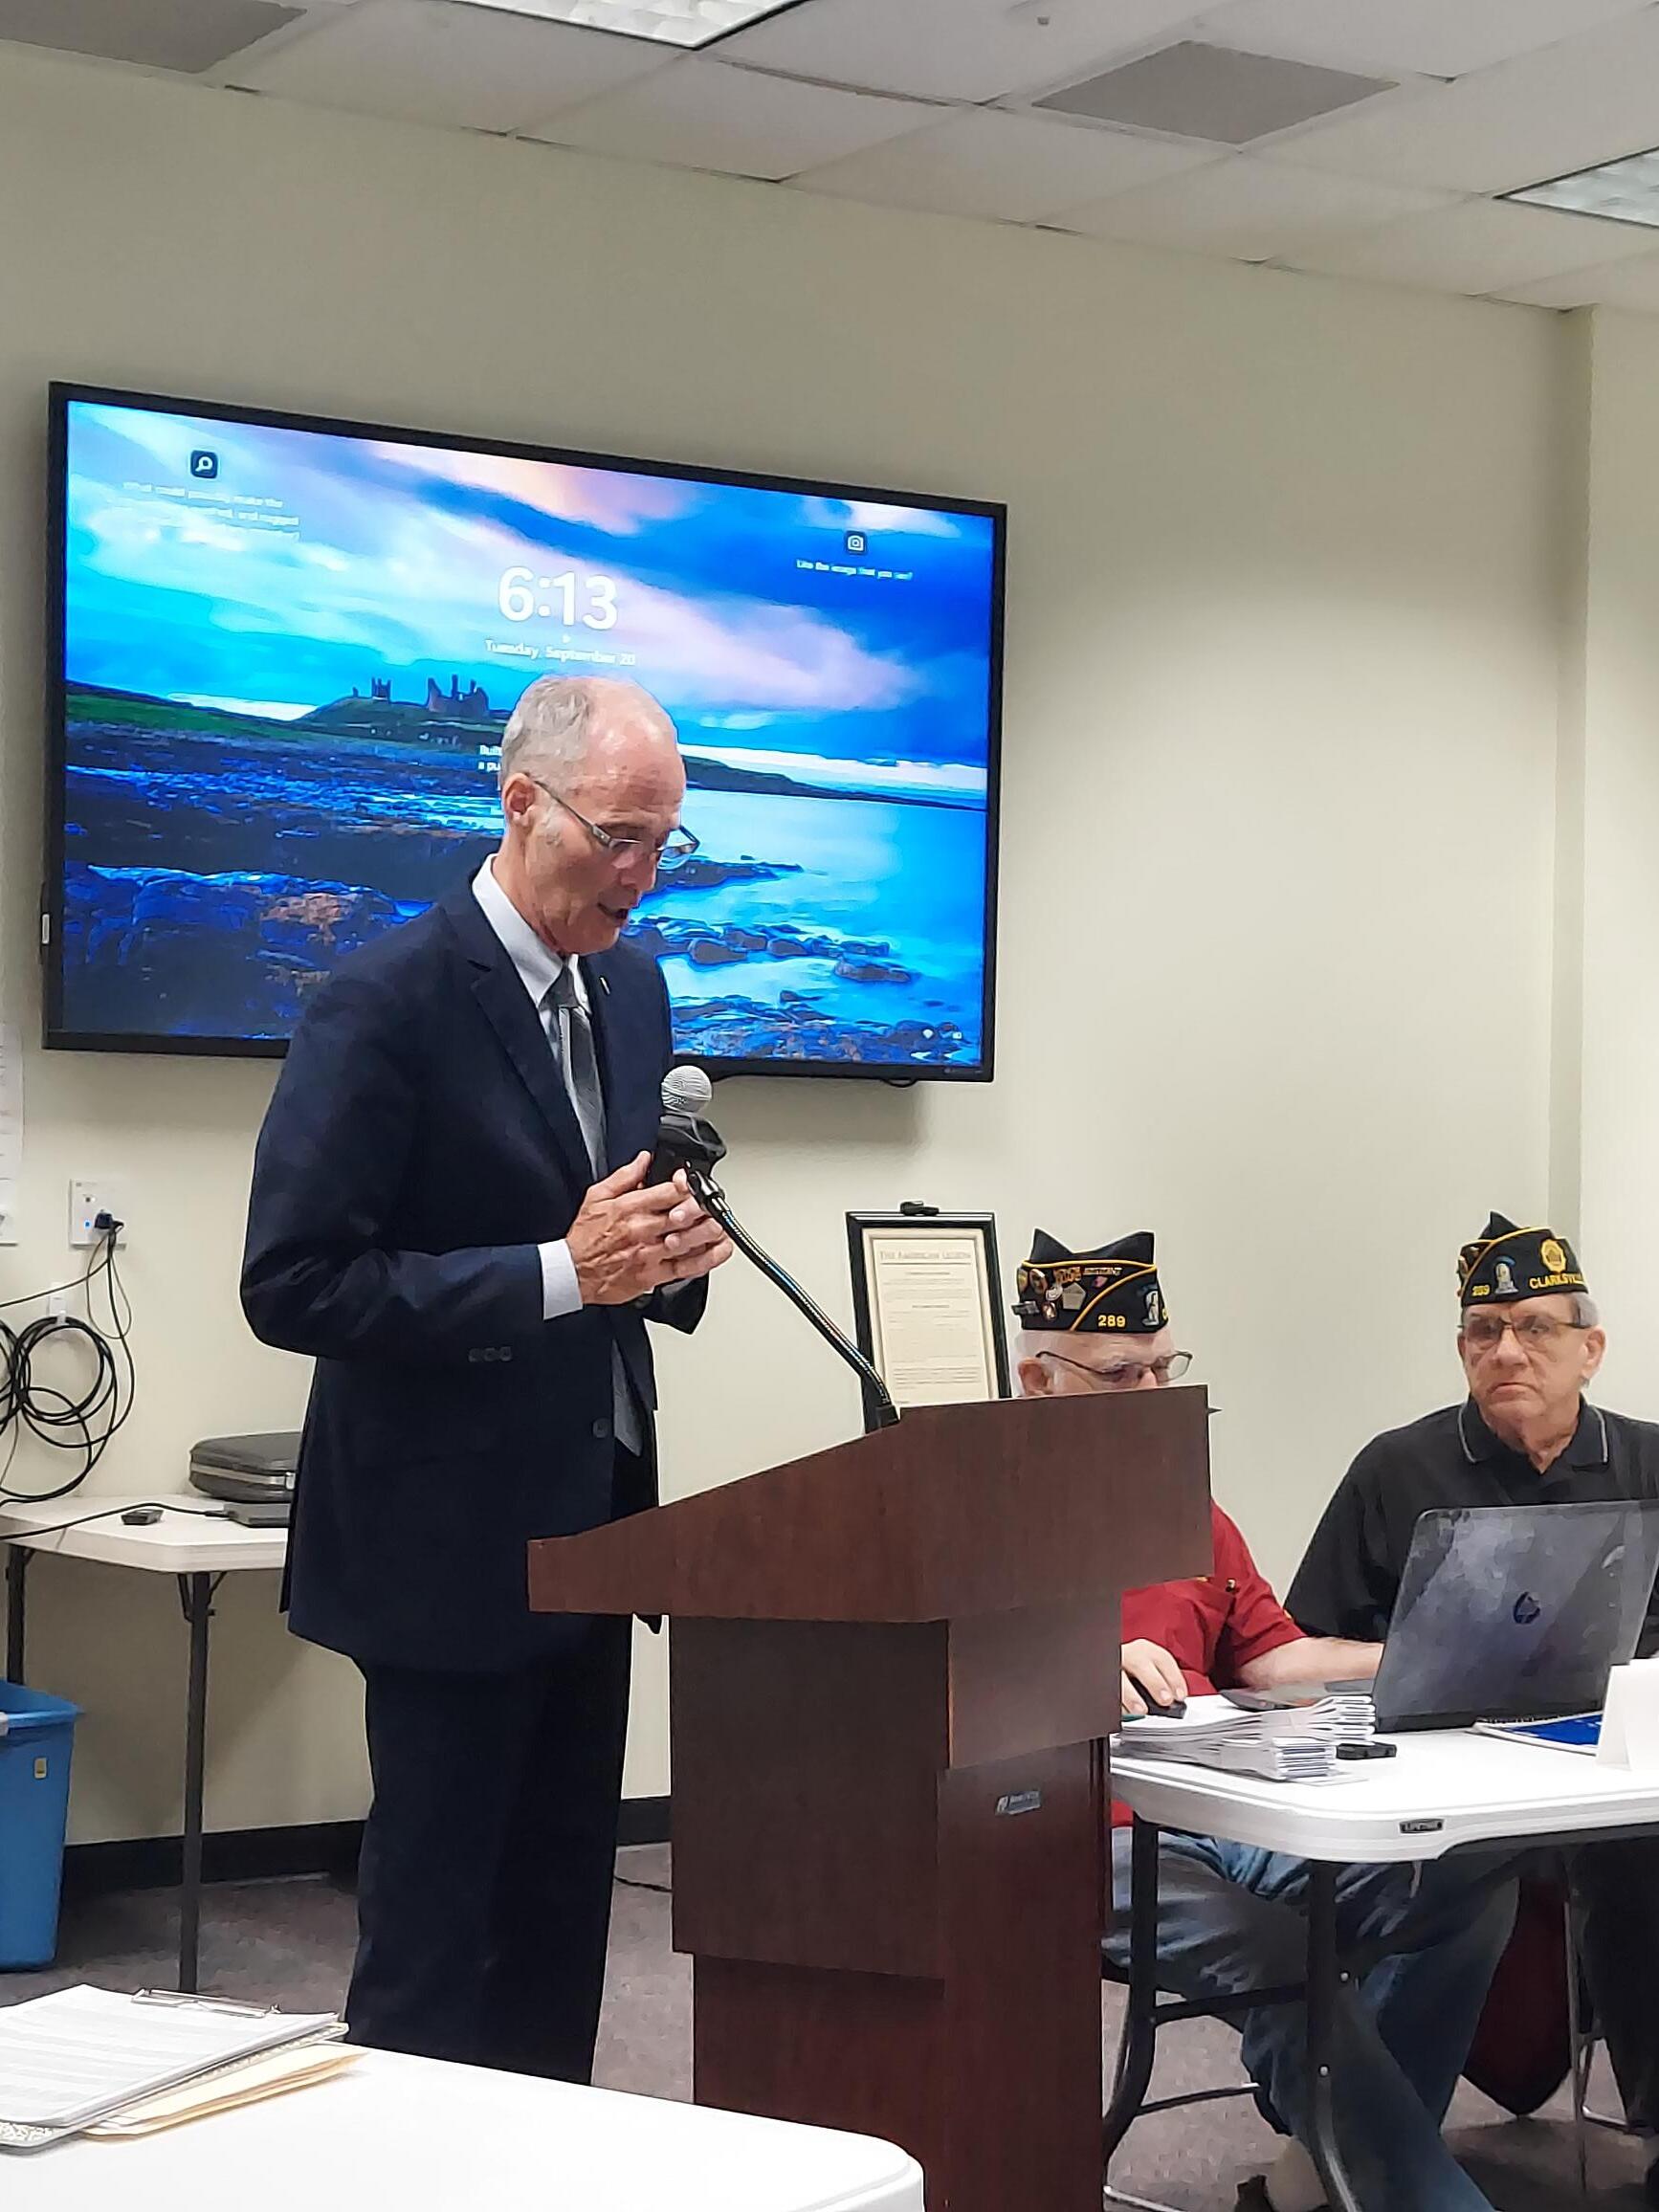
(631, 1237)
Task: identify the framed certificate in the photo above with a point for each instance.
(926, 1297)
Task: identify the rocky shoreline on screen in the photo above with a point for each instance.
(398, 860)
(856, 960)
(382, 855)
(799, 1028)
(241, 953)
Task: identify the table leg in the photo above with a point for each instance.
(1326, 1979)
(1139, 2044)
(196, 1595)
(1582, 2054)
(17, 1558)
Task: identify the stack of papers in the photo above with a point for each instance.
(1292, 1743)
(1338, 1717)
(83, 2055)
(244, 2082)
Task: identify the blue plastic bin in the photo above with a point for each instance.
(36, 1735)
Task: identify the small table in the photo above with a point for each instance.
(1445, 1791)
(199, 1551)
(428, 2137)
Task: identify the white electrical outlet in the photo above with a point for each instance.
(89, 1196)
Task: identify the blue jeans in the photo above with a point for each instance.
(1230, 1920)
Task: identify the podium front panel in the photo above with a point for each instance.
(1033, 1680)
(806, 1757)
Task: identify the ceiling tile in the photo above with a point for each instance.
(1631, 284)
(187, 35)
(1591, 100)
(705, 115)
(1422, 38)
(967, 50)
(1478, 246)
(1212, 92)
(685, 25)
(429, 61)
(1016, 168)
(1248, 209)
(310, 17)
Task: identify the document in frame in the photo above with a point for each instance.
(928, 1302)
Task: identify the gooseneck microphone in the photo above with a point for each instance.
(686, 1141)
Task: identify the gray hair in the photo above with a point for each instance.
(549, 725)
(554, 719)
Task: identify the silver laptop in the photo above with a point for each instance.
(1512, 1612)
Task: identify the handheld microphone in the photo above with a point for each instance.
(685, 1141)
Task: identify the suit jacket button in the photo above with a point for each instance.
(476, 1354)
(602, 1430)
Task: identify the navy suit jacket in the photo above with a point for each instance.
(419, 1147)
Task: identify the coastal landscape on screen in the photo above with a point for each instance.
(290, 653)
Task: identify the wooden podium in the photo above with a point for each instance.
(893, 1665)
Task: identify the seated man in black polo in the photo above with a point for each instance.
(1530, 1342)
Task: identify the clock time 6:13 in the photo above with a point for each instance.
(569, 598)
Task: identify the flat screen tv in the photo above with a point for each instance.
(283, 654)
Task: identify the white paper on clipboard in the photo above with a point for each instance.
(77, 2054)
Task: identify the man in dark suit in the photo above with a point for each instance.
(449, 1214)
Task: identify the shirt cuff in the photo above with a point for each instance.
(560, 1293)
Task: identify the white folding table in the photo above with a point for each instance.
(428, 2137)
(1444, 1791)
(186, 1543)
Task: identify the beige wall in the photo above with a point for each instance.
(1281, 720)
(1613, 845)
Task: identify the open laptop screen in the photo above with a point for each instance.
(1508, 1611)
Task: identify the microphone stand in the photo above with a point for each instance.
(713, 1200)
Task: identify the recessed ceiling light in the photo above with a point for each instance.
(687, 23)
(1624, 192)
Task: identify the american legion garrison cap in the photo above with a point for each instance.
(1505, 1262)
(1114, 1288)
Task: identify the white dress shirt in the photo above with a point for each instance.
(538, 969)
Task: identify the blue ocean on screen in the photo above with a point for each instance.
(832, 927)
(290, 655)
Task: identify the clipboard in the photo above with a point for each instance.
(113, 2052)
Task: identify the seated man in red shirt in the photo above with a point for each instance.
(1229, 1916)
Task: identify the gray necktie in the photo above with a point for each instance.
(572, 1039)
